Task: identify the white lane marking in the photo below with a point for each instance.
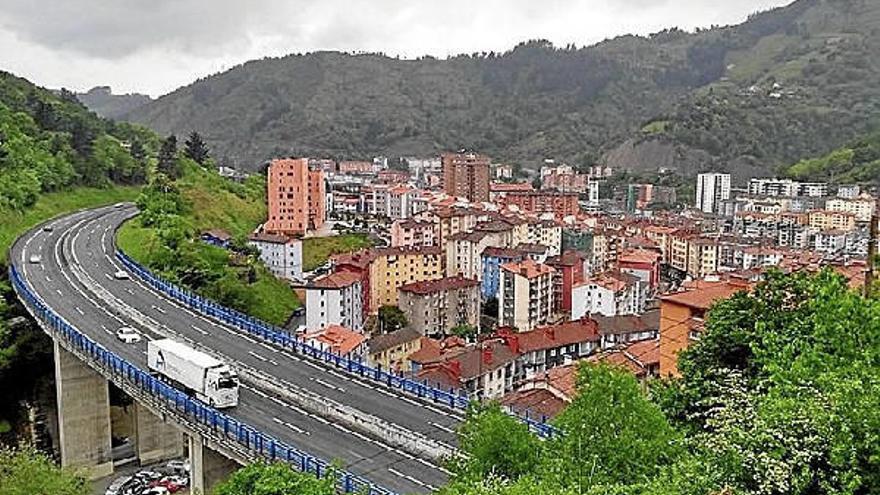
(129, 291)
(79, 310)
(412, 479)
(108, 276)
(444, 428)
(197, 329)
(291, 426)
(261, 358)
(48, 279)
(59, 292)
(157, 308)
(327, 384)
(268, 348)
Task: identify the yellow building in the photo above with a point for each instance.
(862, 208)
(393, 268)
(832, 220)
(389, 351)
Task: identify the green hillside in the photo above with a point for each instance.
(680, 100)
(857, 162)
(165, 238)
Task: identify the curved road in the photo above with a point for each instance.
(75, 279)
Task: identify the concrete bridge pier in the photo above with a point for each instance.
(155, 439)
(207, 466)
(84, 428)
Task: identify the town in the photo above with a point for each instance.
(497, 285)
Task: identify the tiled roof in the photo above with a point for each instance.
(336, 280)
(704, 296)
(271, 238)
(639, 256)
(650, 320)
(505, 187)
(568, 258)
(338, 338)
(537, 401)
(407, 251)
(443, 284)
(549, 337)
(218, 234)
(637, 357)
(387, 341)
(528, 268)
(499, 252)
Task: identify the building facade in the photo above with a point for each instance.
(466, 175)
(296, 197)
(282, 255)
(392, 268)
(435, 307)
(526, 295)
(712, 189)
(335, 299)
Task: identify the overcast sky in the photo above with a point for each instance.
(155, 46)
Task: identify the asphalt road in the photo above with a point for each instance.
(78, 256)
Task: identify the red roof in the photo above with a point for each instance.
(335, 280)
(338, 338)
(505, 187)
(528, 268)
(572, 332)
(704, 294)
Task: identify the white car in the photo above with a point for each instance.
(36, 258)
(178, 465)
(121, 275)
(156, 490)
(128, 335)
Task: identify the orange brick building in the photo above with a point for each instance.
(682, 318)
(466, 175)
(296, 197)
(561, 204)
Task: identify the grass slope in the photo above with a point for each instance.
(53, 204)
(317, 250)
(213, 202)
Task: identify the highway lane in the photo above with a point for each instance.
(421, 416)
(361, 455)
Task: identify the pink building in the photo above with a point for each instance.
(296, 197)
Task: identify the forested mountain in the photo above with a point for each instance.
(102, 101)
(673, 99)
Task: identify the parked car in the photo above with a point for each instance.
(178, 465)
(118, 485)
(129, 336)
(121, 275)
(36, 258)
(48, 228)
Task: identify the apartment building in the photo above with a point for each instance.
(570, 271)
(335, 299)
(491, 260)
(682, 318)
(712, 189)
(464, 250)
(611, 293)
(296, 197)
(435, 307)
(526, 295)
(560, 204)
(862, 208)
(832, 220)
(414, 233)
(545, 233)
(282, 255)
(392, 268)
(466, 175)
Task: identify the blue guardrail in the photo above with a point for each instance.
(275, 335)
(220, 424)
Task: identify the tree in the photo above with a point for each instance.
(464, 331)
(26, 472)
(391, 318)
(494, 444)
(613, 433)
(196, 149)
(275, 479)
(168, 163)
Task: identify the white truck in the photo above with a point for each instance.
(196, 373)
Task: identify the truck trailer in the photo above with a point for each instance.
(194, 372)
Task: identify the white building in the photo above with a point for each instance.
(712, 189)
(281, 254)
(525, 295)
(335, 299)
(849, 191)
(861, 207)
(593, 192)
(608, 294)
